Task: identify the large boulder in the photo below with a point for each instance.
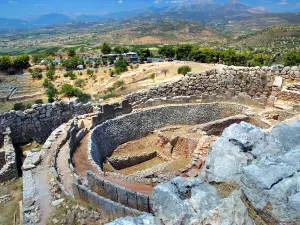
(145, 219)
(287, 134)
(191, 201)
(273, 185)
(238, 146)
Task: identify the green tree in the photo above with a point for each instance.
(68, 90)
(36, 73)
(21, 62)
(121, 49)
(144, 53)
(291, 58)
(50, 74)
(183, 52)
(52, 93)
(46, 83)
(5, 63)
(71, 52)
(184, 70)
(121, 66)
(259, 60)
(105, 48)
(72, 63)
(167, 51)
(38, 57)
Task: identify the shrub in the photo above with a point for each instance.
(46, 83)
(83, 97)
(19, 106)
(108, 95)
(184, 70)
(70, 74)
(121, 66)
(52, 93)
(50, 74)
(111, 72)
(39, 101)
(68, 90)
(79, 83)
(36, 73)
(118, 84)
(90, 72)
(152, 76)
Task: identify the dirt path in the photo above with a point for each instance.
(41, 176)
(64, 172)
(82, 164)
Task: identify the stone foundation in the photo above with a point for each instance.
(106, 137)
(118, 193)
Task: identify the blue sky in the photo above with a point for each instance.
(27, 8)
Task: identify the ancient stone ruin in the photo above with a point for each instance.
(220, 147)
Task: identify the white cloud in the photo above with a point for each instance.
(120, 1)
(283, 2)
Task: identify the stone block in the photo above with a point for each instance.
(143, 202)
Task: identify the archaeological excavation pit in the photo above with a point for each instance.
(161, 143)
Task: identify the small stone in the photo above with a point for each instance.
(57, 202)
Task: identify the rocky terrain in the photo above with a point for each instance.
(192, 154)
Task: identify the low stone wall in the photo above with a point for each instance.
(106, 137)
(38, 123)
(109, 209)
(118, 193)
(9, 169)
(217, 127)
(23, 97)
(2, 158)
(122, 163)
(290, 96)
(256, 82)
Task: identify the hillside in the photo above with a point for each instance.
(125, 32)
(274, 39)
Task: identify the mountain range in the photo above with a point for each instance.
(205, 11)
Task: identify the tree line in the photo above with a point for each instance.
(12, 65)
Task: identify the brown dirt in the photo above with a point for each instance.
(82, 164)
(64, 171)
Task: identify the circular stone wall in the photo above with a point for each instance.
(106, 137)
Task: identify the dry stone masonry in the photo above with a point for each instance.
(8, 170)
(36, 124)
(264, 165)
(261, 86)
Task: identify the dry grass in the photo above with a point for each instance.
(259, 218)
(11, 208)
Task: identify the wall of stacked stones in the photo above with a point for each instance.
(2, 159)
(38, 123)
(256, 82)
(118, 193)
(108, 208)
(110, 134)
(9, 170)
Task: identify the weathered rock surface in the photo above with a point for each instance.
(238, 146)
(145, 219)
(191, 201)
(273, 184)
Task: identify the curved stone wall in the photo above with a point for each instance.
(106, 137)
(38, 123)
